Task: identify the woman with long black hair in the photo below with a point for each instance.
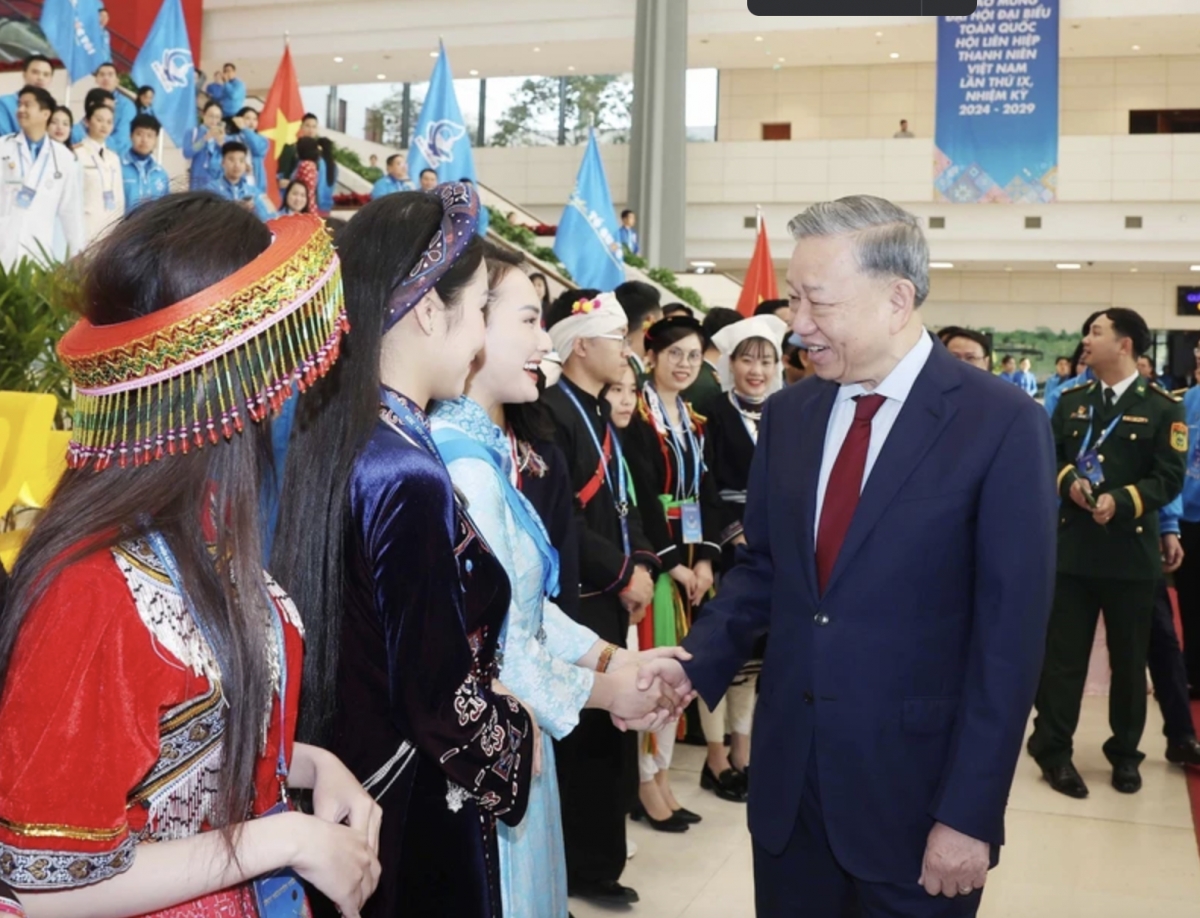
(149, 669)
(404, 602)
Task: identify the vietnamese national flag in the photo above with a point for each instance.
(760, 276)
(279, 120)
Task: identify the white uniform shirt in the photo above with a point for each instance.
(895, 388)
(102, 174)
(25, 231)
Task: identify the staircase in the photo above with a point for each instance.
(123, 50)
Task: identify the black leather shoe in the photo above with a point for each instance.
(671, 824)
(687, 816)
(1186, 752)
(1127, 779)
(605, 892)
(728, 786)
(1066, 780)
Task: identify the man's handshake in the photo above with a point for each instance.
(647, 690)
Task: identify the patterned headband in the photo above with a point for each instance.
(460, 216)
(168, 381)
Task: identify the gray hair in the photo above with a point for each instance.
(889, 241)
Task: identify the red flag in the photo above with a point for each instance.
(760, 276)
(279, 120)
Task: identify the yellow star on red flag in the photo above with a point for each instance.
(280, 118)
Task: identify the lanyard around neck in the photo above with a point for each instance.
(166, 557)
(682, 443)
(1087, 439)
(620, 493)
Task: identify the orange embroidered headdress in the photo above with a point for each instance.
(173, 380)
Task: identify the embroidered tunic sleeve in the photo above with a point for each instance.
(554, 688)
(440, 699)
(78, 731)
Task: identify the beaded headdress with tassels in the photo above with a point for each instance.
(183, 377)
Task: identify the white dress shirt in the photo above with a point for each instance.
(1120, 388)
(895, 388)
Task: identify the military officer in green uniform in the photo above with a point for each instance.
(1122, 448)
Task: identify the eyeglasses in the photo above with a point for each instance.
(969, 358)
(675, 355)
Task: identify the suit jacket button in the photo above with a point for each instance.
(808, 697)
(1139, 530)
(821, 618)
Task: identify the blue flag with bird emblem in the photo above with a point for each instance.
(586, 241)
(441, 141)
(165, 65)
(73, 29)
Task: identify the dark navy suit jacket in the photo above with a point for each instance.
(912, 678)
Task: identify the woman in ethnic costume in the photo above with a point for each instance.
(408, 610)
(679, 507)
(750, 369)
(150, 670)
(556, 666)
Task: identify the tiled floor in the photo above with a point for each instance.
(1109, 856)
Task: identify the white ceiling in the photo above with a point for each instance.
(395, 38)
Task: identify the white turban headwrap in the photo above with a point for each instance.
(771, 328)
(602, 315)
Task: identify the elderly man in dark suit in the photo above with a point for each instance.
(900, 529)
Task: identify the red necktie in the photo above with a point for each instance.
(844, 487)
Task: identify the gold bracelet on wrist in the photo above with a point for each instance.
(606, 656)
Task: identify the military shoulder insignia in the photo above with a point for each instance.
(1083, 386)
(1155, 387)
(1179, 437)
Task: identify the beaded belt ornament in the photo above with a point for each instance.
(168, 382)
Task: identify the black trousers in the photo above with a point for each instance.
(1167, 671)
(806, 880)
(597, 772)
(1128, 607)
(1187, 585)
(597, 777)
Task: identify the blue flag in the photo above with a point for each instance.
(586, 241)
(73, 29)
(165, 64)
(441, 141)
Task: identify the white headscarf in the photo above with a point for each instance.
(772, 328)
(589, 318)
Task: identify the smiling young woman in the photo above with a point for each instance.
(680, 510)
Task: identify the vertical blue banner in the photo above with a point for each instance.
(997, 104)
(586, 241)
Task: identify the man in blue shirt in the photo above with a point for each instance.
(627, 235)
(123, 114)
(38, 71)
(145, 179)
(1008, 369)
(233, 184)
(396, 179)
(228, 90)
(1025, 378)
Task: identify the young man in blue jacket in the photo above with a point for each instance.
(145, 178)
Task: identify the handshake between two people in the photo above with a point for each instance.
(646, 690)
